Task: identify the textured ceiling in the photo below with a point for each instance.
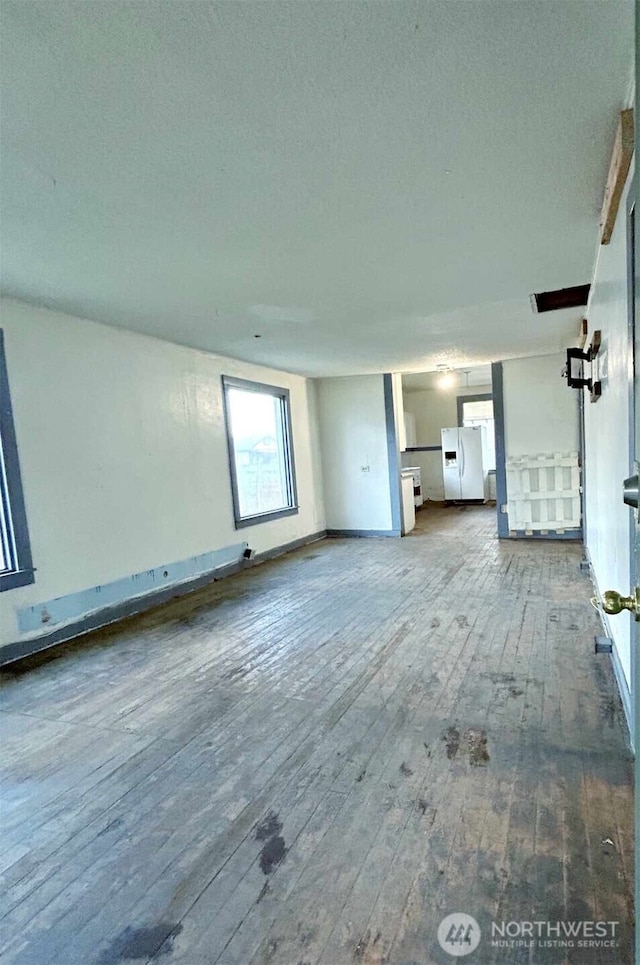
(366, 186)
(477, 375)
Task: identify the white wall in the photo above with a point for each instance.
(123, 453)
(608, 457)
(433, 410)
(541, 418)
(353, 435)
(540, 410)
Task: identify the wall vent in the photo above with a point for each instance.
(561, 298)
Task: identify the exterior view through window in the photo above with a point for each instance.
(7, 545)
(480, 413)
(16, 568)
(260, 450)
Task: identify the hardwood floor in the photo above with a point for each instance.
(314, 762)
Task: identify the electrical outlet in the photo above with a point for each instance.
(365, 468)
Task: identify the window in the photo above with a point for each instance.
(479, 412)
(15, 553)
(258, 421)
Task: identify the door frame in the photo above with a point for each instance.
(632, 296)
(497, 393)
(633, 308)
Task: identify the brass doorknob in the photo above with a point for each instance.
(613, 602)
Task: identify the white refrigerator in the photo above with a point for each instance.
(464, 474)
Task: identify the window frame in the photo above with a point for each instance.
(262, 388)
(11, 493)
(480, 397)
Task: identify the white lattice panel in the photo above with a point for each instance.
(543, 492)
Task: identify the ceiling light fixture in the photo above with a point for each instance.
(447, 377)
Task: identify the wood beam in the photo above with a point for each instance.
(618, 171)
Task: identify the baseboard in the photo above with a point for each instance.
(138, 604)
(575, 535)
(618, 672)
(38, 619)
(286, 548)
(363, 532)
(623, 689)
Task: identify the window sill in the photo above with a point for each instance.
(265, 517)
(9, 581)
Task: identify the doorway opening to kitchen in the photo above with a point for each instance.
(450, 441)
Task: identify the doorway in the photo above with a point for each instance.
(437, 406)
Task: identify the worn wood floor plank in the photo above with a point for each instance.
(314, 762)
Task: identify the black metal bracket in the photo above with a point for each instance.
(580, 356)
